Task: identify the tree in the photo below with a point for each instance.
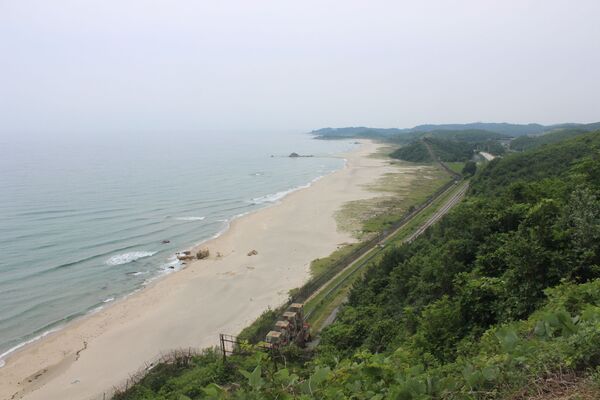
(469, 168)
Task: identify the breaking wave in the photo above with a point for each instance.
(190, 218)
(125, 258)
(275, 197)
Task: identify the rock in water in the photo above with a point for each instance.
(183, 256)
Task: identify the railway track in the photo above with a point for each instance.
(457, 197)
(376, 250)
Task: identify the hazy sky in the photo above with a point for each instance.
(86, 66)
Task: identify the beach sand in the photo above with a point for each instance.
(191, 307)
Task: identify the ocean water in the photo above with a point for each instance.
(83, 220)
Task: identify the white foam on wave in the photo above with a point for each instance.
(108, 300)
(23, 344)
(172, 265)
(275, 197)
(138, 273)
(125, 258)
(226, 226)
(190, 218)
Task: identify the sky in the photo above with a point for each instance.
(88, 67)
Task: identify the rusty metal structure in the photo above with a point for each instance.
(292, 328)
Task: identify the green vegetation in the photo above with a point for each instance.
(503, 129)
(450, 150)
(414, 152)
(531, 142)
(447, 150)
(456, 166)
(320, 265)
(468, 135)
(499, 300)
(410, 186)
(554, 136)
(335, 292)
(470, 168)
(401, 191)
(257, 331)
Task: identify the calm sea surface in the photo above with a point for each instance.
(82, 220)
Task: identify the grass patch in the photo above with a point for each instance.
(257, 331)
(401, 190)
(384, 152)
(320, 265)
(456, 166)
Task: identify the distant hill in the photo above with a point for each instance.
(354, 132)
(502, 128)
(465, 135)
(397, 134)
(448, 149)
(531, 142)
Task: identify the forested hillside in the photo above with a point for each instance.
(532, 142)
(448, 150)
(504, 129)
(499, 300)
(531, 220)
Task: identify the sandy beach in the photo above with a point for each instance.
(191, 307)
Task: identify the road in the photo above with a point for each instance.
(487, 155)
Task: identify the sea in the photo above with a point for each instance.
(86, 220)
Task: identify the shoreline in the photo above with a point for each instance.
(57, 357)
(147, 284)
